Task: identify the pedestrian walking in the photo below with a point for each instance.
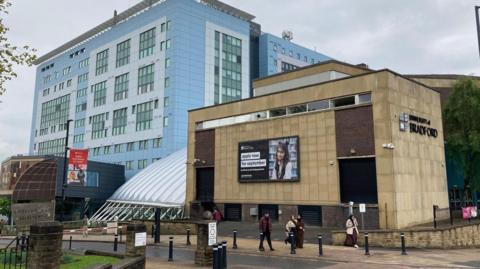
(352, 232)
(290, 227)
(300, 232)
(217, 215)
(265, 227)
(85, 226)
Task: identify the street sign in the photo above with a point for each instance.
(362, 208)
(140, 239)
(212, 233)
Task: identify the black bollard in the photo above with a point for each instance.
(320, 245)
(220, 256)
(70, 243)
(234, 239)
(435, 217)
(214, 256)
(188, 238)
(170, 249)
(224, 254)
(367, 251)
(402, 237)
(115, 243)
(292, 244)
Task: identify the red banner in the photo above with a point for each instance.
(77, 166)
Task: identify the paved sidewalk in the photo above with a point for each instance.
(424, 258)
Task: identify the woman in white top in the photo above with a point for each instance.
(283, 167)
(352, 232)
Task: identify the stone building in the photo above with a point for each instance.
(351, 134)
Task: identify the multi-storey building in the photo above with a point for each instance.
(128, 83)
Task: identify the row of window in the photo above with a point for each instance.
(325, 104)
(125, 147)
(60, 86)
(291, 54)
(147, 43)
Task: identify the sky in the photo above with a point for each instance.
(407, 36)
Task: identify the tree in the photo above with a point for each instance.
(11, 55)
(462, 128)
(5, 207)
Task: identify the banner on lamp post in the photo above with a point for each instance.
(77, 167)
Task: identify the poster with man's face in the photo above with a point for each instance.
(269, 160)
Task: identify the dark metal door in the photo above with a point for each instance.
(233, 212)
(358, 180)
(205, 184)
(272, 210)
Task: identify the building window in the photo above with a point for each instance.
(145, 79)
(121, 87)
(102, 62)
(147, 43)
(169, 25)
(130, 146)
(98, 126)
(344, 101)
(78, 138)
(106, 150)
(305, 59)
(83, 63)
(167, 82)
(47, 79)
(157, 142)
(129, 165)
(165, 121)
(123, 53)
(67, 70)
(298, 56)
(54, 112)
(52, 147)
(99, 93)
(119, 121)
(81, 107)
(144, 116)
(81, 92)
(143, 144)
(82, 78)
(167, 44)
(283, 50)
(162, 46)
(155, 159)
(166, 101)
(96, 151)
(92, 179)
(118, 148)
(290, 53)
(319, 105)
(167, 62)
(69, 83)
(277, 112)
(163, 27)
(79, 123)
(46, 92)
(142, 163)
(231, 73)
(275, 47)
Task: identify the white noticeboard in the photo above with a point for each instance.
(362, 208)
(212, 233)
(140, 239)
(112, 228)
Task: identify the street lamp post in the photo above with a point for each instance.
(64, 184)
(478, 26)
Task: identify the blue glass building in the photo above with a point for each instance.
(128, 83)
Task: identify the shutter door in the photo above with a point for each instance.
(312, 215)
(233, 212)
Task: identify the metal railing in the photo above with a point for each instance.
(15, 254)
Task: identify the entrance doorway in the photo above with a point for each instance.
(358, 180)
(272, 210)
(205, 184)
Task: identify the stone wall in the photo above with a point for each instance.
(172, 227)
(464, 236)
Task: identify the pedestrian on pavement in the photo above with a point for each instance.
(265, 226)
(290, 227)
(300, 231)
(85, 226)
(352, 232)
(217, 215)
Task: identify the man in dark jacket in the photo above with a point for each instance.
(265, 226)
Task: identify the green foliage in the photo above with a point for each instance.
(5, 205)
(10, 54)
(85, 261)
(462, 127)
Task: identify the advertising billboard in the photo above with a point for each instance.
(274, 159)
(77, 167)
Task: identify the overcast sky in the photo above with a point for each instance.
(407, 36)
